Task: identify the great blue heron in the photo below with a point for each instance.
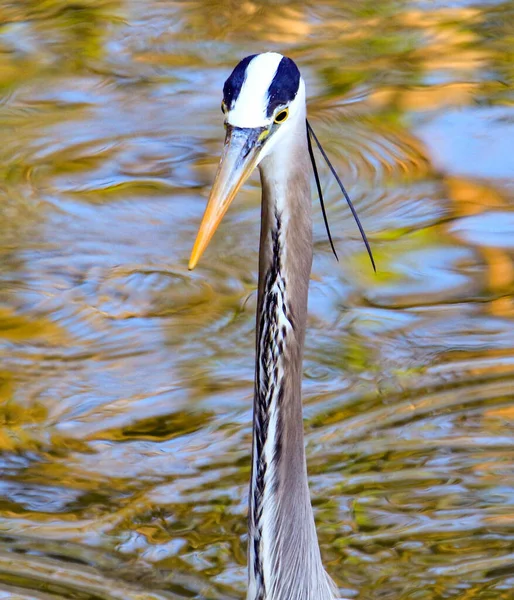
(265, 120)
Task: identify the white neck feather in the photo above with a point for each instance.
(284, 556)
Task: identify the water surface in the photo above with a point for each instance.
(126, 381)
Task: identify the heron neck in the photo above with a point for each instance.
(284, 557)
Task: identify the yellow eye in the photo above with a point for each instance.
(282, 116)
(223, 108)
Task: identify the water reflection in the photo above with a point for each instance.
(125, 381)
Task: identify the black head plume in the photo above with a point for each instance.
(310, 133)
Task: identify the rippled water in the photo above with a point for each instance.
(126, 381)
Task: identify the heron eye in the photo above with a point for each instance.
(282, 116)
(224, 108)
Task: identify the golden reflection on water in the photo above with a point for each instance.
(126, 381)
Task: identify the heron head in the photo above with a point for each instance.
(263, 100)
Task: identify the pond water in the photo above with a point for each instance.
(126, 381)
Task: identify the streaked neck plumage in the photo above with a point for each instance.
(283, 555)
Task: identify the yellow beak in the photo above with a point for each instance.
(240, 156)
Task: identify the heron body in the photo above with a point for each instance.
(265, 112)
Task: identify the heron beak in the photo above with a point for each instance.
(239, 158)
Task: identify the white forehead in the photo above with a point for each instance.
(251, 105)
